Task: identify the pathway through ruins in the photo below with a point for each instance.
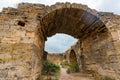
(73, 76)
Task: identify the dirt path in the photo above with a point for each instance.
(73, 76)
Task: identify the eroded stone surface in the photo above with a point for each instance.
(24, 30)
(55, 58)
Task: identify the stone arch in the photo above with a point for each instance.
(77, 14)
(72, 57)
(78, 21)
(29, 25)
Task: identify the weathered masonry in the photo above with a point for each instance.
(24, 30)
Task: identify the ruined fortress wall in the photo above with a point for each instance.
(22, 41)
(55, 58)
(17, 34)
(100, 56)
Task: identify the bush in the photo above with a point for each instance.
(50, 68)
(68, 70)
(64, 64)
(73, 68)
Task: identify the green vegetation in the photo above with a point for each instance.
(73, 68)
(50, 70)
(68, 70)
(64, 64)
(108, 78)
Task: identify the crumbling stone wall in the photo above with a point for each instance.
(24, 30)
(101, 51)
(100, 58)
(17, 48)
(55, 58)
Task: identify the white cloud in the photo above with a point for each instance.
(13, 3)
(110, 6)
(59, 43)
(101, 5)
(8, 3)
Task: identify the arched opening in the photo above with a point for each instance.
(80, 24)
(73, 58)
(23, 43)
(92, 33)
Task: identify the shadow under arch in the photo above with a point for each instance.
(72, 21)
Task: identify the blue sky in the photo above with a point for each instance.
(60, 43)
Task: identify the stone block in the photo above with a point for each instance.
(117, 45)
(27, 40)
(110, 53)
(15, 27)
(1, 26)
(10, 40)
(6, 26)
(5, 33)
(113, 58)
(115, 35)
(18, 33)
(30, 34)
(30, 28)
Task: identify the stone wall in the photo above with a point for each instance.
(55, 58)
(100, 57)
(17, 35)
(24, 30)
(15, 61)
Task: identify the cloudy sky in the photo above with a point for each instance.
(60, 43)
(100, 5)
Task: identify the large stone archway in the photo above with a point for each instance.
(29, 25)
